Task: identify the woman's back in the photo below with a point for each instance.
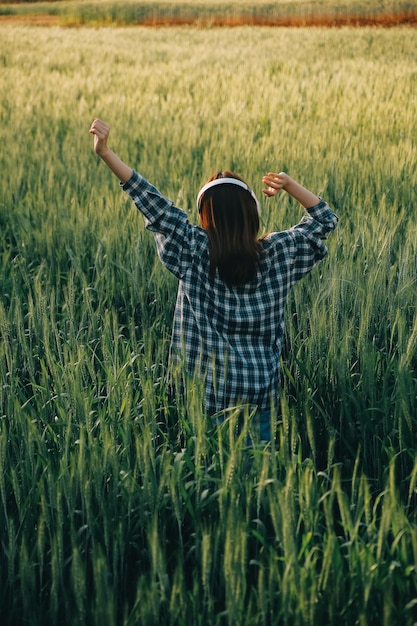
(232, 334)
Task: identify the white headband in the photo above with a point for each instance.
(230, 181)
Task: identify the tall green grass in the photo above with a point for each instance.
(120, 504)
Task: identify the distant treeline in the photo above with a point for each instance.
(214, 13)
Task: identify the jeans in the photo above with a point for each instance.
(259, 425)
(262, 423)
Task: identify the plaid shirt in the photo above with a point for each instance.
(231, 335)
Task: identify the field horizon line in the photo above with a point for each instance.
(383, 19)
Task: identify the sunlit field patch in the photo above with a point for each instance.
(120, 504)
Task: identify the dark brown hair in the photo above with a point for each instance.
(230, 216)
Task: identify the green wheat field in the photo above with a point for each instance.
(120, 505)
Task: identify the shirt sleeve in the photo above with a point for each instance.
(309, 234)
(170, 226)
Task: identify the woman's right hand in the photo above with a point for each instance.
(274, 183)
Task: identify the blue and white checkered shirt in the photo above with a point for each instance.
(231, 335)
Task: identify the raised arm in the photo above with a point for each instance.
(101, 132)
(275, 182)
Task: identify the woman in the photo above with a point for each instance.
(229, 317)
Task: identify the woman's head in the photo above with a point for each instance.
(229, 212)
(225, 178)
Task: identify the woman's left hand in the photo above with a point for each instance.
(101, 132)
